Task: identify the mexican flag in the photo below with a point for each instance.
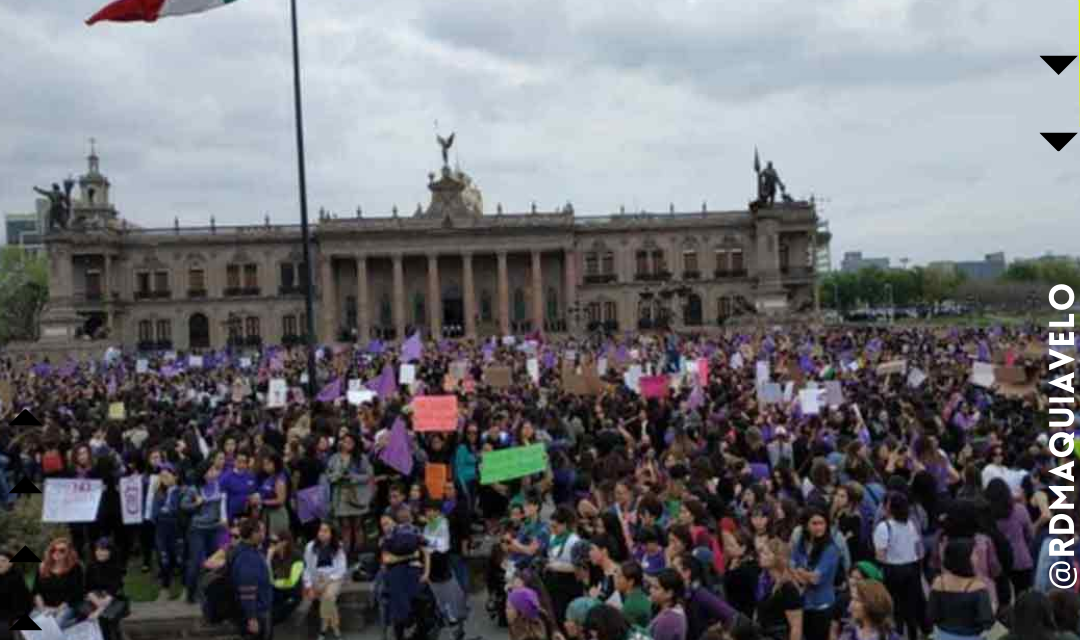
(151, 10)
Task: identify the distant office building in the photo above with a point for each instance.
(990, 267)
(854, 261)
(24, 229)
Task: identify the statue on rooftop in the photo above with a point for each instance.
(445, 143)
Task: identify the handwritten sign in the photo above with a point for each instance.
(435, 413)
(435, 477)
(654, 386)
(71, 500)
(498, 376)
(512, 463)
(982, 374)
(277, 393)
(360, 396)
(142, 365)
(408, 374)
(892, 367)
(533, 367)
(195, 362)
(117, 411)
(131, 499)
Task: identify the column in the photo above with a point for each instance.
(399, 296)
(434, 296)
(538, 292)
(470, 295)
(570, 269)
(504, 296)
(363, 308)
(329, 299)
(106, 293)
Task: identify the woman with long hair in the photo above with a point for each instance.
(1033, 619)
(325, 567)
(1014, 523)
(899, 548)
(286, 573)
(959, 606)
(348, 472)
(816, 560)
(743, 571)
(871, 610)
(59, 589)
(667, 594)
(780, 602)
(205, 501)
(526, 618)
(274, 492)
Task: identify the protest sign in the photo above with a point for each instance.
(809, 401)
(770, 393)
(131, 499)
(142, 365)
(982, 374)
(435, 413)
(632, 378)
(497, 376)
(459, 369)
(654, 386)
(170, 356)
(71, 500)
(148, 499)
(116, 411)
(789, 391)
(703, 371)
(915, 378)
(533, 367)
(512, 463)
(277, 393)
(48, 628)
(892, 367)
(509, 341)
(195, 362)
(435, 477)
(6, 394)
(737, 361)
(360, 396)
(355, 384)
(601, 367)
(834, 393)
(245, 362)
(407, 374)
(762, 372)
(1010, 375)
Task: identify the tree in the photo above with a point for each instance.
(24, 289)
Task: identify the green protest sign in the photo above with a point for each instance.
(515, 462)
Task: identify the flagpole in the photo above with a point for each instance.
(309, 289)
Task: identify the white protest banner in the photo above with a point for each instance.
(245, 362)
(148, 507)
(408, 374)
(834, 393)
(355, 384)
(359, 396)
(277, 393)
(982, 374)
(915, 378)
(170, 356)
(601, 367)
(49, 629)
(195, 362)
(88, 630)
(71, 500)
(632, 378)
(737, 361)
(770, 393)
(142, 365)
(131, 499)
(533, 366)
(762, 375)
(809, 401)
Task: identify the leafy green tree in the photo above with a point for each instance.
(24, 289)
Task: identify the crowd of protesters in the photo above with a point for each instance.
(913, 504)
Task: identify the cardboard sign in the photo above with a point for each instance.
(131, 499)
(360, 396)
(71, 500)
(498, 377)
(408, 374)
(1010, 375)
(435, 413)
(195, 362)
(277, 393)
(116, 411)
(892, 367)
(142, 365)
(982, 374)
(654, 386)
(512, 463)
(6, 394)
(435, 477)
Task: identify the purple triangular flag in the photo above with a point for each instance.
(398, 450)
(385, 385)
(696, 399)
(412, 349)
(375, 347)
(330, 392)
(984, 351)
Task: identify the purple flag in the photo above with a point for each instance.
(111, 388)
(806, 363)
(412, 349)
(489, 353)
(549, 360)
(375, 347)
(398, 451)
(696, 399)
(311, 504)
(622, 355)
(984, 351)
(330, 392)
(42, 369)
(385, 385)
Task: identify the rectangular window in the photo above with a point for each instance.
(594, 312)
(164, 331)
(142, 283)
(301, 275)
(146, 331)
(690, 260)
(785, 257)
(642, 259)
(251, 326)
(724, 306)
(722, 264)
(659, 264)
(197, 280)
(609, 263)
(289, 326)
(93, 284)
(161, 281)
(592, 264)
(251, 276)
(611, 312)
(737, 261)
(232, 276)
(288, 275)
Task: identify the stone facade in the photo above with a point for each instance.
(452, 269)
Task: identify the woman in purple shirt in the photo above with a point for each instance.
(667, 595)
(1014, 522)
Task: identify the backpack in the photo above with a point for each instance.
(52, 462)
(220, 601)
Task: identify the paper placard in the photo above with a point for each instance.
(762, 372)
(435, 413)
(770, 393)
(354, 385)
(601, 367)
(48, 628)
(632, 378)
(245, 362)
(1010, 375)
(498, 376)
(512, 463)
(915, 378)
(131, 499)
(435, 477)
(407, 374)
(892, 367)
(195, 362)
(142, 365)
(834, 393)
(170, 356)
(654, 386)
(360, 396)
(117, 411)
(737, 361)
(277, 393)
(509, 340)
(809, 401)
(982, 374)
(533, 367)
(71, 500)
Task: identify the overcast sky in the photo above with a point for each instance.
(915, 122)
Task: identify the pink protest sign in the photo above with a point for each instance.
(654, 386)
(435, 413)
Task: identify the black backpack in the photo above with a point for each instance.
(220, 601)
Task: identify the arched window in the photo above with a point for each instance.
(693, 312)
(198, 331)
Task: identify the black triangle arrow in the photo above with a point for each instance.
(25, 624)
(25, 486)
(26, 555)
(1058, 63)
(25, 419)
(1059, 140)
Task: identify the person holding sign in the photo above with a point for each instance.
(349, 474)
(58, 590)
(206, 504)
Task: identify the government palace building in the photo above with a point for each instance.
(453, 269)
